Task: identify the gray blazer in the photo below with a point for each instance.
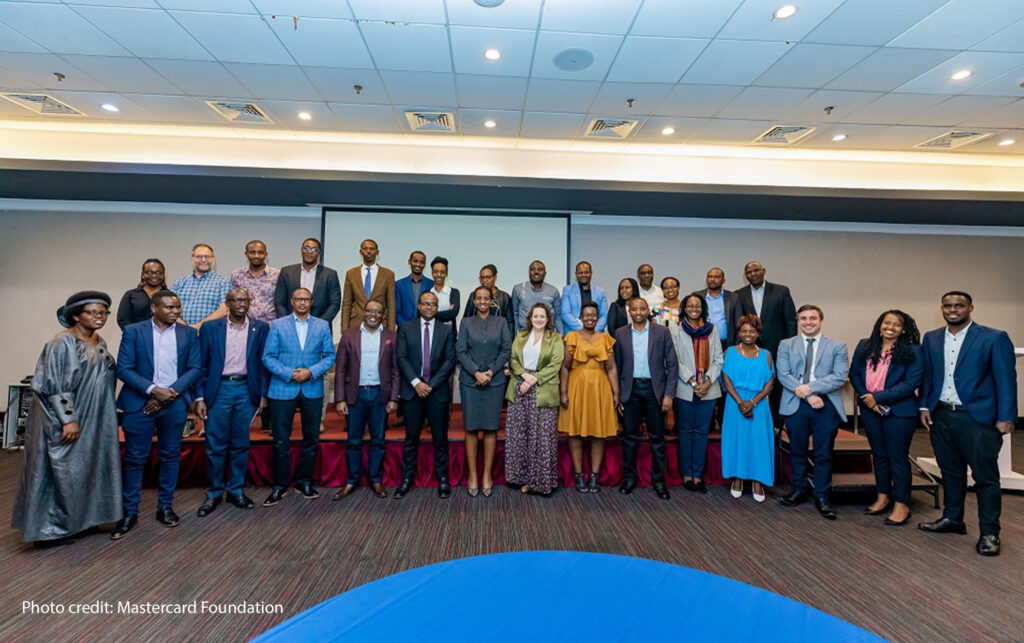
(687, 364)
(831, 366)
(483, 344)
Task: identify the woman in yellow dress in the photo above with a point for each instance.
(590, 395)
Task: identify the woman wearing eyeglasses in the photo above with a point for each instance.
(134, 306)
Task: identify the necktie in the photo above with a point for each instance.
(809, 361)
(367, 286)
(426, 351)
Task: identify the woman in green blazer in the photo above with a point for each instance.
(531, 428)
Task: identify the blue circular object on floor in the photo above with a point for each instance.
(561, 595)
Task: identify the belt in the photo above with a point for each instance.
(641, 379)
(234, 378)
(370, 386)
(951, 406)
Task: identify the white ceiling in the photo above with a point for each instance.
(717, 71)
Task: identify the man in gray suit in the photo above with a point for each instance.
(812, 369)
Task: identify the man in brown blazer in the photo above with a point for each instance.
(368, 282)
(366, 386)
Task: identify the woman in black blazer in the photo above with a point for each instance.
(618, 316)
(886, 371)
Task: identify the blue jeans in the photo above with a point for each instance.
(693, 420)
(823, 425)
(368, 410)
(139, 428)
(227, 438)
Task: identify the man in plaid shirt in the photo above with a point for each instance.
(202, 293)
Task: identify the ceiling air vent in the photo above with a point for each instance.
(240, 112)
(953, 139)
(784, 134)
(42, 104)
(610, 128)
(431, 121)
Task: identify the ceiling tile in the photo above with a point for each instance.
(304, 8)
(844, 104)
(91, 104)
(11, 40)
(991, 145)
(551, 43)
(763, 103)
(684, 128)
(693, 18)
(506, 123)
(323, 43)
(200, 78)
(222, 6)
(697, 100)
(1008, 40)
(592, 16)
(1009, 84)
(1008, 115)
(550, 125)
(286, 113)
(521, 14)
(10, 79)
(408, 46)
(39, 68)
(655, 60)
(147, 33)
(857, 137)
(145, 4)
(420, 89)
(123, 74)
(431, 11)
(888, 68)
(490, 92)
(568, 96)
(734, 62)
(233, 37)
(722, 130)
(958, 109)
(284, 82)
(754, 20)
(176, 109)
(338, 85)
(871, 22)
(367, 118)
(611, 99)
(906, 137)
(960, 24)
(984, 65)
(894, 108)
(470, 43)
(807, 65)
(57, 28)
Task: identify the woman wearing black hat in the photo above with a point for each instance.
(72, 475)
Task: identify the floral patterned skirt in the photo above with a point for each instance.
(531, 443)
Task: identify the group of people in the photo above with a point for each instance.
(261, 343)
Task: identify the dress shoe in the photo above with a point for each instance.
(207, 507)
(241, 501)
(627, 486)
(689, 486)
(308, 491)
(661, 490)
(759, 497)
(794, 498)
(344, 491)
(487, 491)
(898, 523)
(700, 487)
(988, 545)
(444, 490)
(379, 490)
(580, 483)
(734, 492)
(275, 496)
(166, 516)
(594, 485)
(54, 542)
(124, 525)
(824, 507)
(403, 489)
(943, 526)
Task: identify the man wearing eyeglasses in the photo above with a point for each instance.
(202, 292)
(320, 280)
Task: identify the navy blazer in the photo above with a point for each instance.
(212, 345)
(135, 365)
(661, 357)
(985, 374)
(405, 303)
(442, 358)
(901, 381)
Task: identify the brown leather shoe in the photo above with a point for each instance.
(379, 490)
(344, 491)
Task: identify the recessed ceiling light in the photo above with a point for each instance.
(785, 11)
(960, 75)
(573, 59)
(839, 137)
(488, 4)
(492, 54)
(668, 131)
(305, 116)
(110, 108)
(490, 123)
(1006, 141)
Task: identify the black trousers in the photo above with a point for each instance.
(890, 437)
(435, 412)
(283, 412)
(960, 442)
(643, 406)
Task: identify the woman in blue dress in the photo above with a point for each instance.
(748, 437)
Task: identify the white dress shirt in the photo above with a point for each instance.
(373, 274)
(653, 296)
(302, 330)
(951, 353)
(809, 355)
(165, 357)
(307, 278)
(424, 324)
(531, 353)
(757, 294)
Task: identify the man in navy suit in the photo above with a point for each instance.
(408, 289)
(426, 371)
(298, 352)
(232, 387)
(968, 401)
(648, 368)
(158, 361)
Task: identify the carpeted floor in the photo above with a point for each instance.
(898, 582)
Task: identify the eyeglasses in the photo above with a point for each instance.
(202, 257)
(428, 304)
(152, 272)
(311, 248)
(302, 299)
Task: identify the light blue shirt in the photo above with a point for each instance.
(641, 365)
(165, 356)
(757, 294)
(716, 314)
(301, 329)
(369, 374)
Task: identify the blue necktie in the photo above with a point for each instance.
(367, 286)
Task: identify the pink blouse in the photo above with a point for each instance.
(875, 377)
